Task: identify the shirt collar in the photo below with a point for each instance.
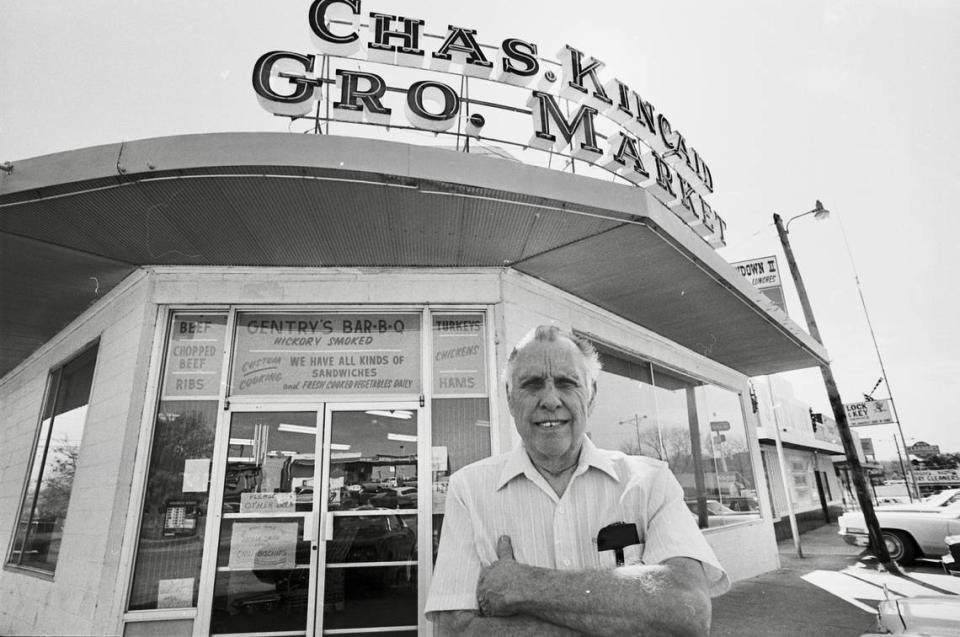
(519, 463)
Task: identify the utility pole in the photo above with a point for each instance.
(877, 545)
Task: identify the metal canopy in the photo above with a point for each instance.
(74, 224)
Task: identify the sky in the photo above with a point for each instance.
(851, 102)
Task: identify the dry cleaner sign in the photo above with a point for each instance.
(564, 112)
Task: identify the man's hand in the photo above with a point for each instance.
(498, 579)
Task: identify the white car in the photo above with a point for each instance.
(919, 616)
(930, 503)
(908, 534)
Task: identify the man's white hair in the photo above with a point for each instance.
(550, 333)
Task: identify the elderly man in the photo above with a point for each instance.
(519, 555)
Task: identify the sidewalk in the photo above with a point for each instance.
(787, 602)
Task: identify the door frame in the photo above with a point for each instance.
(211, 547)
(316, 525)
(424, 486)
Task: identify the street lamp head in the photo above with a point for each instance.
(819, 212)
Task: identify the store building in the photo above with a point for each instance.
(238, 369)
(807, 463)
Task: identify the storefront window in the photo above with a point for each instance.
(43, 509)
(461, 408)
(274, 463)
(729, 475)
(697, 429)
(170, 546)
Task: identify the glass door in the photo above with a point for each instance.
(265, 579)
(372, 482)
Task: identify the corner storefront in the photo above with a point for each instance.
(238, 369)
(260, 442)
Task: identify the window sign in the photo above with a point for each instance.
(194, 356)
(266, 545)
(267, 502)
(326, 354)
(459, 355)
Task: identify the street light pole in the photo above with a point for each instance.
(877, 545)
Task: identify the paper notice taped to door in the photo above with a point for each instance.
(196, 472)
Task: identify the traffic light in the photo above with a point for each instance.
(815, 419)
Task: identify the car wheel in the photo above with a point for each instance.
(899, 546)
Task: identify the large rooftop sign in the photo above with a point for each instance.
(452, 84)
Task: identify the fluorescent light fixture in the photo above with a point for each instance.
(335, 446)
(401, 437)
(393, 413)
(297, 429)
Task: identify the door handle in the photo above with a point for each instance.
(328, 534)
(308, 527)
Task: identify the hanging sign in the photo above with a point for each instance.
(764, 274)
(569, 105)
(459, 355)
(194, 356)
(314, 353)
(870, 412)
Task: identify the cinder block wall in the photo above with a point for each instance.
(80, 598)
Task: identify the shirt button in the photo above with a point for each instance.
(560, 510)
(566, 562)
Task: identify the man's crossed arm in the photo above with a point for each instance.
(670, 598)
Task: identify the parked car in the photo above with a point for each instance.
(930, 503)
(919, 616)
(908, 534)
(721, 515)
(395, 498)
(374, 538)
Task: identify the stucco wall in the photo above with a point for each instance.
(80, 598)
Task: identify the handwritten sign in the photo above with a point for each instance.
(194, 355)
(318, 353)
(263, 545)
(267, 502)
(459, 355)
